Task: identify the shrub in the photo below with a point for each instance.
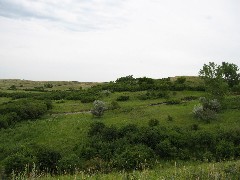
(69, 164)
(236, 89)
(130, 128)
(114, 105)
(173, 101)
(96, 128)
(110, 133)
(224, 150)
(232, 103)
(12, 87)
(207, 110)
(169, 118)
(135, 157)
(47, 160)
(195, 127)
(189, 98)
(48, 85)
(212, 104)
(165, 149)
(3, 121)
(153, 122)
(17, 163)
(106, 92)
(123, 98)
(180, 80)
(98, 108)
(204, 114)
(88, 99)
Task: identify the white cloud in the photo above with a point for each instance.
(100, 40)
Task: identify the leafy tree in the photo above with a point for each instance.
(128, 79)
(230, 73)
(212, 75)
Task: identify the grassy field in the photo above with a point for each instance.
(66, 125)
(57, 85)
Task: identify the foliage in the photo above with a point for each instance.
(12, 87)
(17, 163)
(218, 78)
(25, 109)
(123, 98)
(131, 147)
(135, 157)
(98, 108)
(214, 82)
(212, 104)
(47, 159)
(173, 101)
(114, 105)
(153, 122)
(207, 110)
(181, 80)
(48, 85)
(204, 114)
(230, 73)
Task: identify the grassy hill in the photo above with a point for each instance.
(65, 127)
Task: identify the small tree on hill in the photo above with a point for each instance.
(98, 108)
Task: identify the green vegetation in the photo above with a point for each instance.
(149, 128)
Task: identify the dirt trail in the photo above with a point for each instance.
(69, 113)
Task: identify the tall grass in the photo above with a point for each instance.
(173, 171)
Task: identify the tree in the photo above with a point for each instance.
(98, 108)
(230, 73)
(212, 74)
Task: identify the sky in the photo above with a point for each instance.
(102, 40)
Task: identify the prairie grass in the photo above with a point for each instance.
(165, 171)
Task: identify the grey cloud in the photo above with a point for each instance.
(74, 15)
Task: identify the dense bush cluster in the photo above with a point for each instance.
(21, 110)
(129, 83)
(154, 94)
(85, 96)
(129, 148)
(123, 98)
(132, 147)
(44, 159)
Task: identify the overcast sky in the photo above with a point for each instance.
(101, 40)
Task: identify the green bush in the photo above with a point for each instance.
(48, 159)
(165, 149)
(96, 129)
(123, 98)
(17, 163)
(88, 99)
(173, 102)
(212, 104)
(135, 157)
(114, 105)
(204, 114)
(48, 85)
(98, 108)
(153, 122)
(225, 150)
(69, 164)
